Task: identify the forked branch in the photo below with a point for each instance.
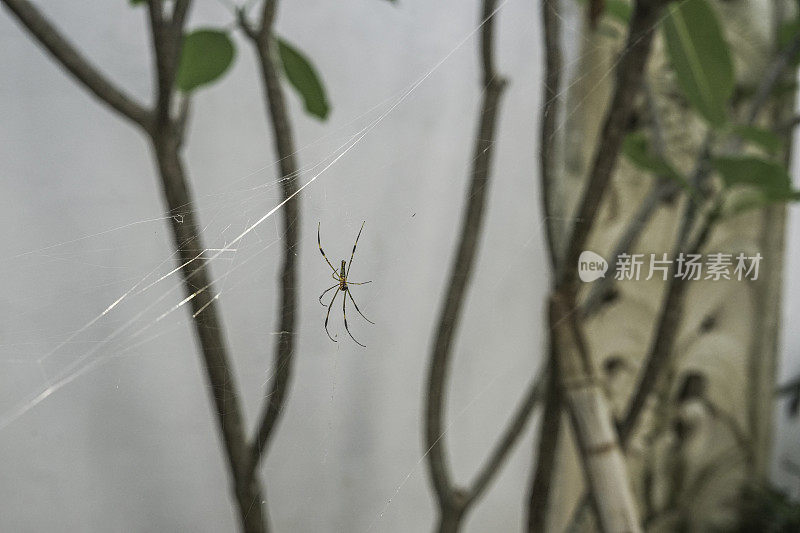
(453, 502)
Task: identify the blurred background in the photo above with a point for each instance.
(105, 420)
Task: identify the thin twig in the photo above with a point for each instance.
(451, 501)
(541, 480)
(510, 436)
(629, 75)
(772, 77)
(549, 435)
(76, 64)
(549, 118)
(661, 347)
(167, 136)
(660, 190)
(264, 43)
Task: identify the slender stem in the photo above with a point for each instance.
(208, 328)
(547, 446)
(167, 41)
(604, 286)
(775, 73)
(167, 138)
(510, 437)
(664, 340)
(629, 75)
(264, 43)
(451, 501)
(76, 64)
(547, 133)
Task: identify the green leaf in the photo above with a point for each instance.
(205, 56)
(619, 9)
(304, 79)
(760, 137)
(700, 57)
(749, 171)
(137, 2)
(635, 148)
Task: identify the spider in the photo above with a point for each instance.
(342, 284)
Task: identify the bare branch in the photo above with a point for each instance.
(547, 133)
(264, 43)
(167, 40)
(179, 13)
(661, 347)
(662, 189)
(167, 136)
(629, 75)
(772, 77)
(549, 435)
(76, 64)
(267, 16)
(509, 438)
(451, 501)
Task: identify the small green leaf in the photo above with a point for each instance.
(304, 79)
(137, 2)
(700, 57)
(635, 148)
(760, 137)
(619, 9)
(748, 171)
(205, 56)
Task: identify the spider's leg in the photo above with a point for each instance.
(354, 249)
(350, 294)
(319, 242)
(344, 312)
(326, 292)
(359, 283)
(329, 314)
